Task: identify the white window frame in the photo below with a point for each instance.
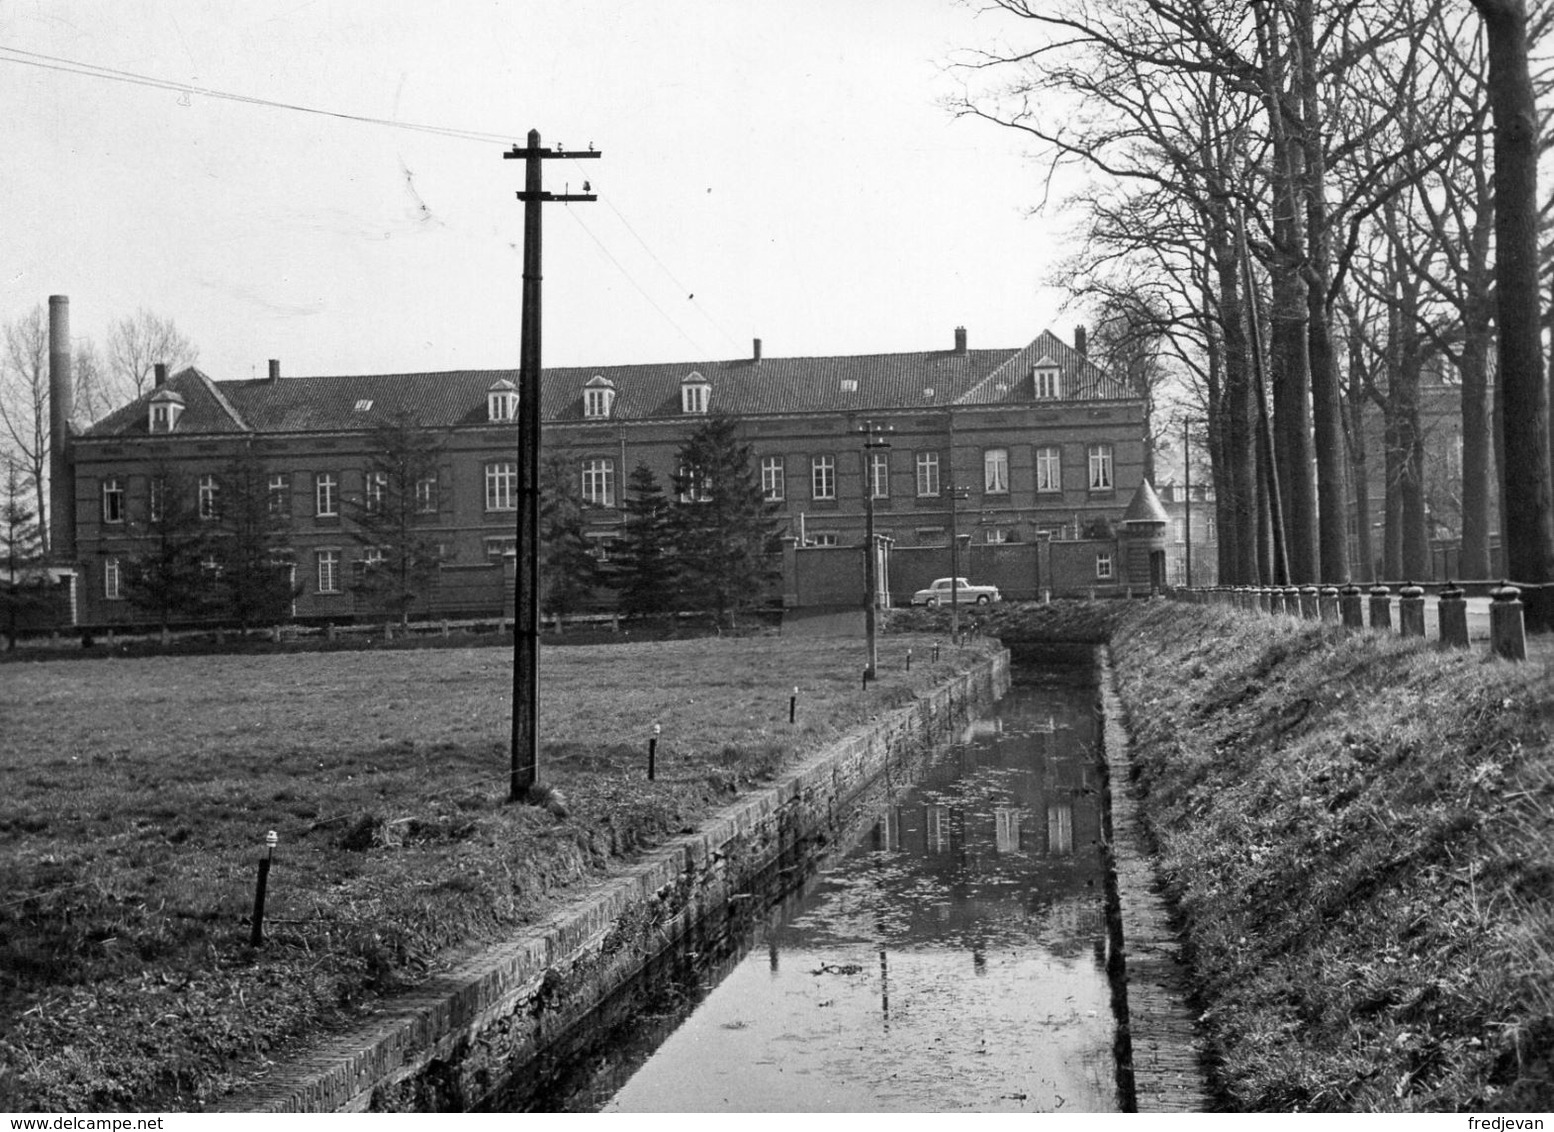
(825, 538)
(426, 495)
(1046, 383)
(327, 570)
(156, 499)
(326, 495)
(1100, 461)
(113, 500)
(694, 396)
(879, 475)
(774, 478)
(927, 474)
(113, 580)
(210, 490)
(996, 536)
(822, 477)
(374, 484)
(599, 482)
(1104, 568)
(501, 485)
(501, 405)
(1049, 469)
(700, 488)
(995, 471)
(497, 547)
(598, 401)
(279, 498)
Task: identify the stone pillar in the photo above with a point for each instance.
(1308, 602)
(1507, 631)
(1351, 607)
(1327, 604)
(1265, 599)
(1411, 611)
(1454, 617)
(1292, 601)
(1381, 608)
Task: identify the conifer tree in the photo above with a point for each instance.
(393, 515)
(167, 573)
(724, 529)
(644, 576)
(569, 571)
(21, 547)
(253, 583)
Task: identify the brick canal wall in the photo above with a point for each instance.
(451, 1044)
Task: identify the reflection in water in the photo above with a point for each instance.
(953, 961)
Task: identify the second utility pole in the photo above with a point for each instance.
(526, 599)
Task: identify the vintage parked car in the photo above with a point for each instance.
(939, 593)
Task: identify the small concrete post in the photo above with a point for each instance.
(1308, 602)
(653, 750)
(256, 935)
(1453, 607)
(444, 628)
(275, 634)
(1381, 608)
(1507, 629)
(1351, 606)
(1411, 605)
(793, 702)
(388, 630)
(909, 660)
(1276, 601)
(1292, 600)
(329, 631)
(1327, 604)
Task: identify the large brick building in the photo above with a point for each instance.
(1008, 446)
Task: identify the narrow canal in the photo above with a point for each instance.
(953, 960)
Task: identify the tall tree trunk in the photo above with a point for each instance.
(1235, 423)
(1364, 553)
(1528, 534)
(1474, 370)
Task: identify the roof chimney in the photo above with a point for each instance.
(275, 369)
(960, 339)
(62, 493)
(160, 371)
(757, 350)
(1079, 339)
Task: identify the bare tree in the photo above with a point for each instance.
(137, 343)
(24, 404)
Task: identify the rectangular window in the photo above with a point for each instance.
(696, 487)
(328, 571)
(596, 402)
(1049, 469)
(112, 580)
(1103, 567)
(1046, 383)
(280, 494)
(1100, 467)
(822, 477)
(879, 474)
(113, 501)
(372, 557)
(997, 535)
(501, 486)
(210, 490)
(326, 495)
(995, 471)
(928, 473)
(1179, 529)
(156, 500)
(373, 484)
(824, 538)
(599, 483)
(426, 495)
(773, 478)
(498, 548)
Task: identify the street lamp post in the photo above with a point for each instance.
(873, 438)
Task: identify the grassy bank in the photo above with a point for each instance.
(138, 793)
(1359, 834)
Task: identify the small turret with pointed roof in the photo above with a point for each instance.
(1145, 507)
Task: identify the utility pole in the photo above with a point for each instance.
(526, 612)
(1187, 496)
(873, 438)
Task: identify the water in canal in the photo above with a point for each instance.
(953, 960)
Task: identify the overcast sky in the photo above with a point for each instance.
(779, 169)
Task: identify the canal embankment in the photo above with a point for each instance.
(1356, 834)
(450, 1044)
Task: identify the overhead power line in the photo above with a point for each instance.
(91, 70)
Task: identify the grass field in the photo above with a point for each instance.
(138, 793)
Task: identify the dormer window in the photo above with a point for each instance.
(598, 398)
(1044, 379)
(695, 392)
(165, 409)
(502, 401)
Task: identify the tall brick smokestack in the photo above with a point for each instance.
(62, 488)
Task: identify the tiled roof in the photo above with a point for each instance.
(643, 392)
(1145, 507)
